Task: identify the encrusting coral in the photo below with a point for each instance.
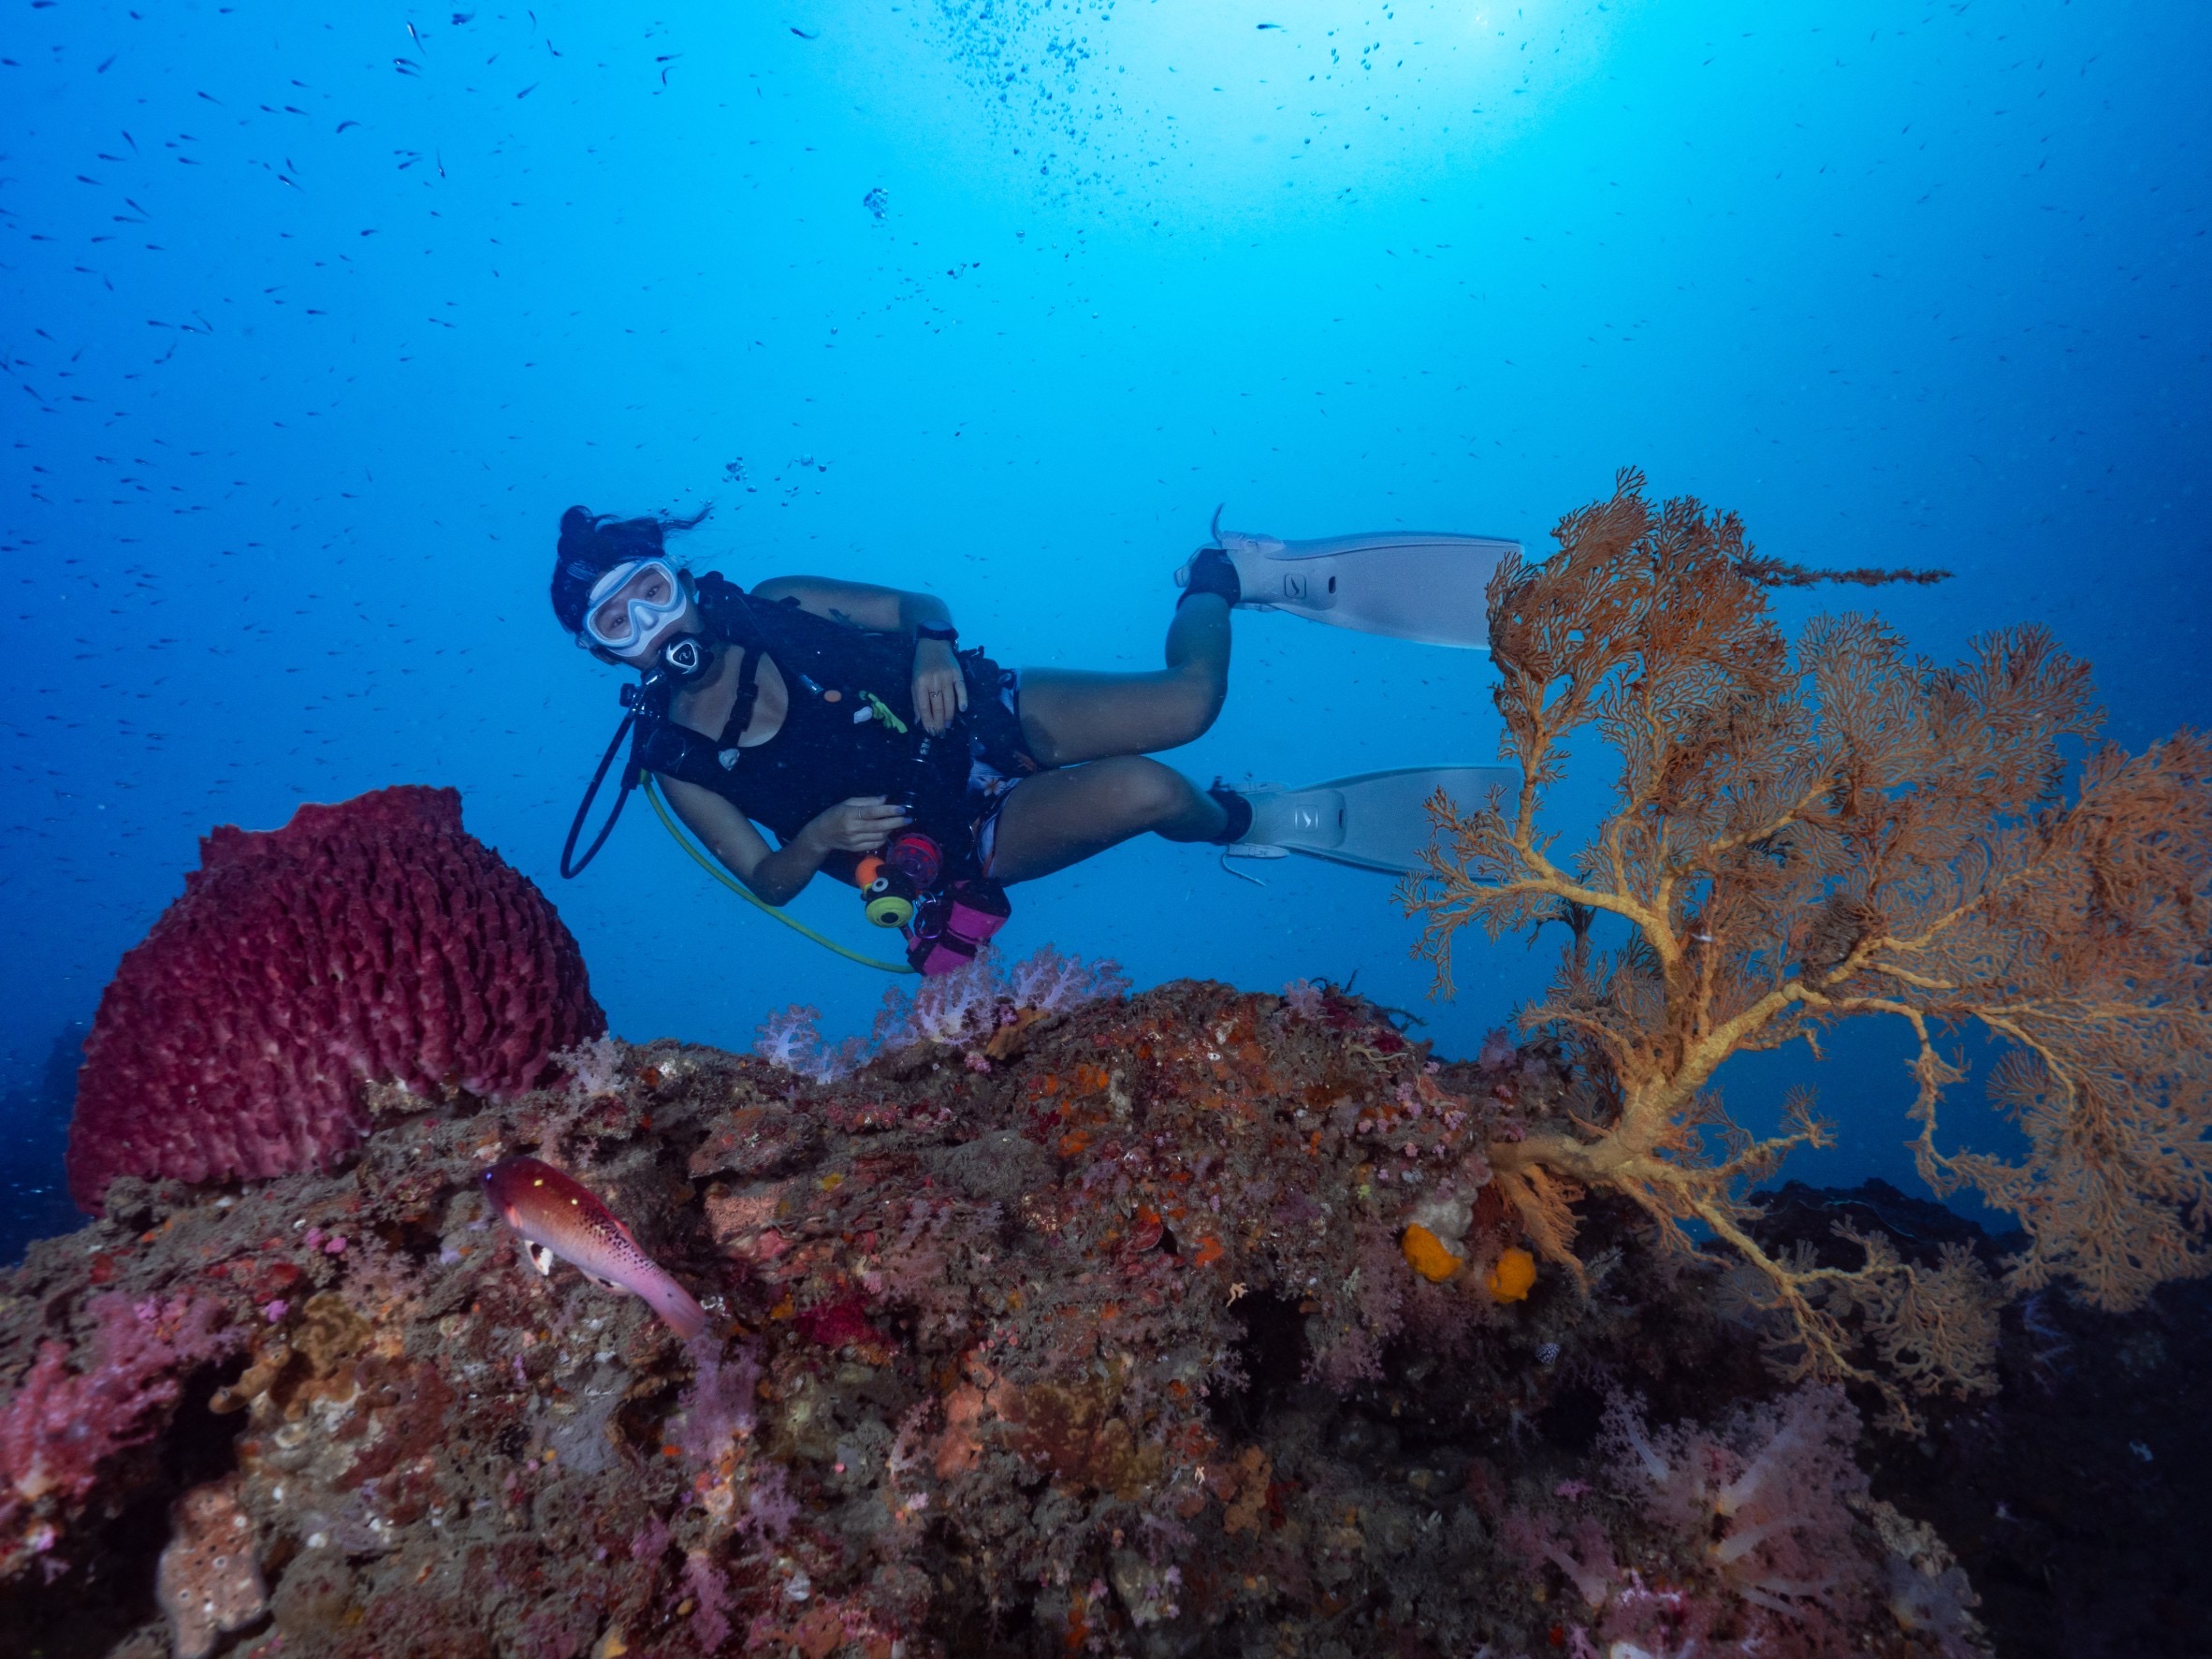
(66, 1424)
(1799, 838)
(207, 1581)
(1004, 1359)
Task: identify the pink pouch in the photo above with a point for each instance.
(974, 911)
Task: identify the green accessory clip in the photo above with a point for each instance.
(883, 712)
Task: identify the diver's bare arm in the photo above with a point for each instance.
(728, 835)
(829, 841)
(887, 610)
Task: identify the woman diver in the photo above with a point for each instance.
(841, 716)
(844, 719)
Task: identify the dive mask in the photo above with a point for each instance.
(649, 598)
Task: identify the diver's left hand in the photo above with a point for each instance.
(940, 690)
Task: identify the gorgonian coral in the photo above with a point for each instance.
(1798, 836)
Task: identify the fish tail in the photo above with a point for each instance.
(676, 1305)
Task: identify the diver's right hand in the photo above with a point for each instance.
(861, 824)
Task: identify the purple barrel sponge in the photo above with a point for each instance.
(375, 939)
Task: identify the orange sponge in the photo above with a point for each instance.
(1431, 1256)
(1510, 1280)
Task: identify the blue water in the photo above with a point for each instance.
(313, 328)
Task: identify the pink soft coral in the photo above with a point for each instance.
(60, 1425)
(708, 1592)
(972, 1004)
(721, 1406)
(1762, 1502)
(1050, 982)
(1585, 1557)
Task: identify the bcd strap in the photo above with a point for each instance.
(749, 693)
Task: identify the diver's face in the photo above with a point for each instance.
(648, 604)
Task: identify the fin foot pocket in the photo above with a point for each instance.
(1211, 571)
(1239, 809)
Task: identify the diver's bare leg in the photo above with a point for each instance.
(1071, 715)
(1057, 819)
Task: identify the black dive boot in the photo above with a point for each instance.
(1238, 806)
(1211, 572)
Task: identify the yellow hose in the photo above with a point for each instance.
(707, 864)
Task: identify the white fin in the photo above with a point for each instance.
(1420, 585)
(1375, 821)
(540, 1257)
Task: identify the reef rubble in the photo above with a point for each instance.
(1095, 1328)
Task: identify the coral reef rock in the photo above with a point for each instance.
(1099, 1341)
(375, 940)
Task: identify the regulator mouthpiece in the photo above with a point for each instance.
(687, 658)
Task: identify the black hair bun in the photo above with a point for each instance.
(593, 544)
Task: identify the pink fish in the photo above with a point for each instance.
(556, 1214)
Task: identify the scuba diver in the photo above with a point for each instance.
(845, 720)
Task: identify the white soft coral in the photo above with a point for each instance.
(594, 1066)
(1050, 982)
(970, 1004)
(951, 1009)
(1765, 1500)
(791, 1038)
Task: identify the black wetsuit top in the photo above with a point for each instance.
(822, 755)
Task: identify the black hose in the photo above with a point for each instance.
(576, 825)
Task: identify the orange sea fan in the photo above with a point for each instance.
(1800, 836)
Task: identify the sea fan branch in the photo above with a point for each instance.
(1798, 838)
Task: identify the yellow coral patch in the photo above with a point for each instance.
(1431, 1256)
(1510, 1280)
